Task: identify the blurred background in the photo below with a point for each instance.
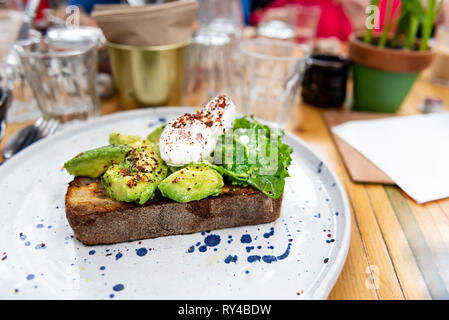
(72, 60)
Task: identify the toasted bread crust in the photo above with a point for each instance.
(97, 219)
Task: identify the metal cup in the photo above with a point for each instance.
(148, 76)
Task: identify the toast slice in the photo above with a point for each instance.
(97, 219)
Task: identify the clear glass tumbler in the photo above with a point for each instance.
(23, 106)
(439, 70)
(272, 72)
(212, 55)
(293, 22)
(221, 16)
(62, 76)
(210, 67)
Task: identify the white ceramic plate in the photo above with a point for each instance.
(298, 256)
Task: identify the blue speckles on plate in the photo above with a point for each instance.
(212, 240)
(230, 259)
(269, 258)
(141, 252)
(286, 253)
(252, 253)
(253, 258)
(246, 238)
(269, 234)
(118, 287)
(40, 246)
(320, 166)
(249, 248)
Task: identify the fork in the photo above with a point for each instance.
(28, 135)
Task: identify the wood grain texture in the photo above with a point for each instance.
(399, 249)
(397, 243)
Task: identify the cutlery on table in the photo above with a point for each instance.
(28, 135)
(5, 101)
(30, 13)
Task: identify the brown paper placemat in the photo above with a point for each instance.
(360, 168)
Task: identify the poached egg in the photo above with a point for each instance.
(193, 137)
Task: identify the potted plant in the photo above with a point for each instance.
(386, 65)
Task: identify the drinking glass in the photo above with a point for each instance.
(221, 16)
(212, 56)
(62, 76)
(272, 71)
(439, 70)
(210, 64)
(295, 22)
(306, 23)
(10, 21)
(23, 106)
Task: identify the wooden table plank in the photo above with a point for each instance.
(357, 279)
(369, 241)
(388, 286)
(417, 242)
(409, 275)
(444, 204)
(432, 237)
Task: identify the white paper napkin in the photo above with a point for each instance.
(412, 150)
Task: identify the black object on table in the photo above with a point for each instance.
(324, 83)
(5, 99)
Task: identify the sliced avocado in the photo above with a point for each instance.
(137, 177)
(194, 182)
(118, 139)
(156, 134)
(93, 163)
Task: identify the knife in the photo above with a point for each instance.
(30, 14)
(20, 141)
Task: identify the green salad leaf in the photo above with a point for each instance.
(253, 154)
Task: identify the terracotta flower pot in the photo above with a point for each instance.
(382, 76)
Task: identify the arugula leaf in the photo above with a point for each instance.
(253, 154)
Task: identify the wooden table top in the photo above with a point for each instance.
(399, 249)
